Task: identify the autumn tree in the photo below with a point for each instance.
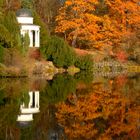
(94, 24)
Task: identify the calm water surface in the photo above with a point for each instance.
(80, 107)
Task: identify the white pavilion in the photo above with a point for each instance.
(25, 19)
(27, 111)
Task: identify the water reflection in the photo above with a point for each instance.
(70, 108)
(111, 110)
(29, 106)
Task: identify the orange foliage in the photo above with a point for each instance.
(100, 116)
(93, 23)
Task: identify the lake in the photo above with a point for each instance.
(79, 107)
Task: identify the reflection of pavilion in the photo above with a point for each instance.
(28, 110)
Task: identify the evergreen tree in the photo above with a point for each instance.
(43, 29)
(11, 24)
(58, 51)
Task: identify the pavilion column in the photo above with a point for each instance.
(39, 38)
(36, 38)
(31, 38)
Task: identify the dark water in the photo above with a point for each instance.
(80, 107)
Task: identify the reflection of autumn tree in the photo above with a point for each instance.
(99, 116)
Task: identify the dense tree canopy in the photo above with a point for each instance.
(94, 23)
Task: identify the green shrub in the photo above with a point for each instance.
(84, 62)
(58, 51)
